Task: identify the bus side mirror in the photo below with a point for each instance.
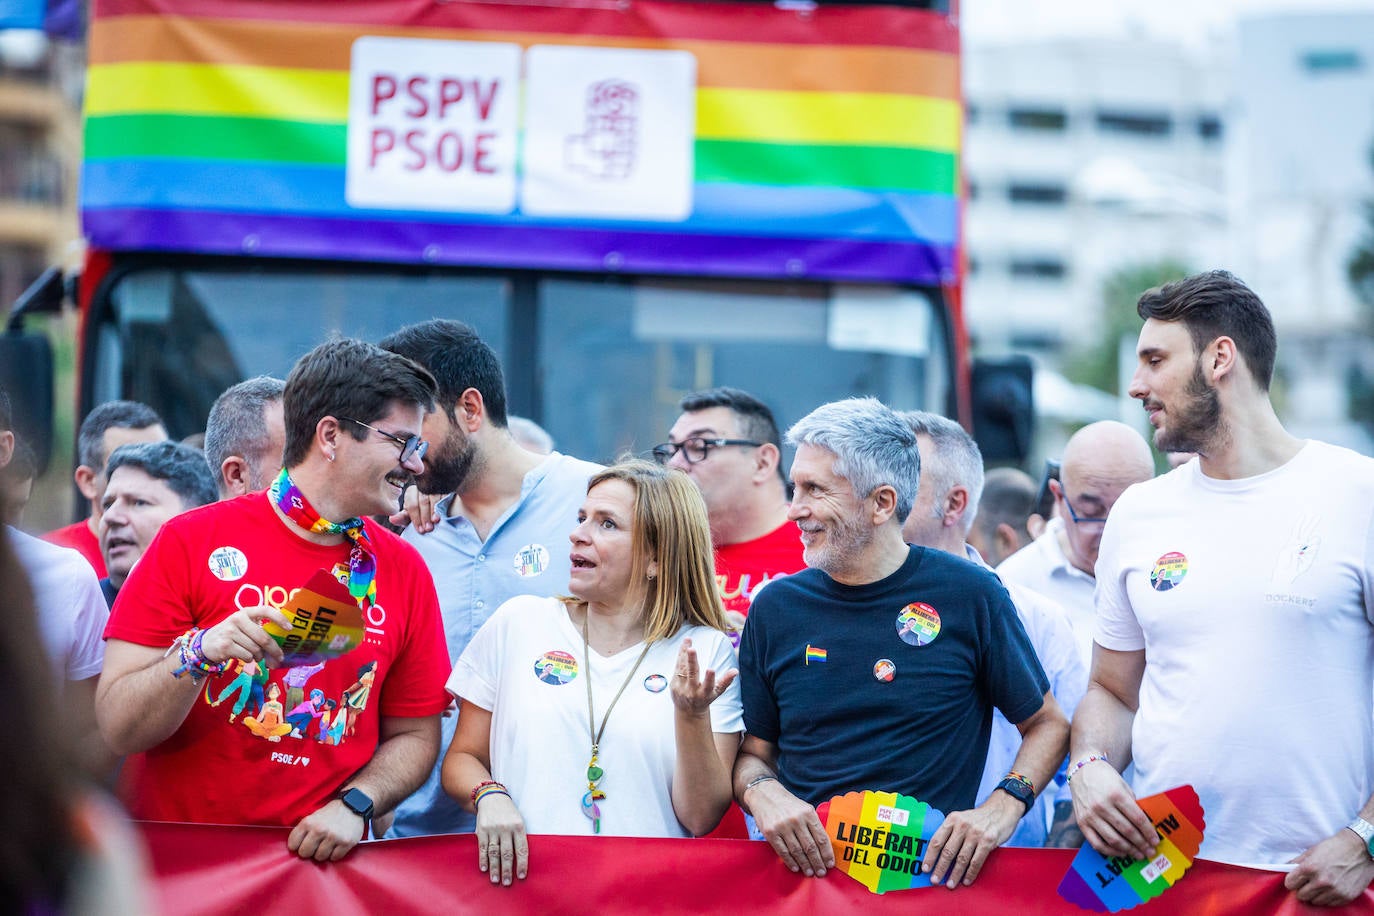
(1003, 409)
(26, 366)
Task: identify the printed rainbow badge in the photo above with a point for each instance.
(879, 838)
(1109, 885)
(325, 622)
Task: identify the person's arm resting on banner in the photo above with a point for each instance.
(789, 824)
(955, 855)
(406, 749)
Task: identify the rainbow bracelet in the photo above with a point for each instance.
(193, 660)
(1084, 761)
(483, 789)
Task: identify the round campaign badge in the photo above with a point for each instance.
(228, 564)
(531, 560)
(1169, 571)
(918, 624)
(555, 668)
(655, 683)
(884, 670)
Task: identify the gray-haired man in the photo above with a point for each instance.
(878, 667)
(246, 435)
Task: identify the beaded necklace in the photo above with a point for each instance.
(594, 771)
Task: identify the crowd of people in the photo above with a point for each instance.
(709, 642)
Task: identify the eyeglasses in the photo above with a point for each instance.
(1080, 519)
(411, 447)
(695, 449)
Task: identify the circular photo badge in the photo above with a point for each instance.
(884, 670)
(655, 683)
(1169, 571)
(918, 624)
(555, 668)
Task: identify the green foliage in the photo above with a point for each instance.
(1096, 363)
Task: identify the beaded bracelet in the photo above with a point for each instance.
(493, 788)
(1084, 761)
(193, 660)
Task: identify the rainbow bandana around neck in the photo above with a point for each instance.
(362, 560)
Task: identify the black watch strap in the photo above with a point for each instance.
(357, 801)
(1019, 791)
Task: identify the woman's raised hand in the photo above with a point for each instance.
(694, 691)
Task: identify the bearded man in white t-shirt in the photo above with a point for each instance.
(1235, 615)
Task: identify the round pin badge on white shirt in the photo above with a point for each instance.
(228, 564)
(655, 683)
(531, 560)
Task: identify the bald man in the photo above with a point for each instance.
(1100, 461)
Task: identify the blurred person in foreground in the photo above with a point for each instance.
(64, 847)
(616, 691)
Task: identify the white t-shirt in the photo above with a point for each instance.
(71, 608)
(1042, 567)
(1253, 601)
(526, 665)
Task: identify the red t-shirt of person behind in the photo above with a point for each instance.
(78, 537)
(742, 568)
(264, 746)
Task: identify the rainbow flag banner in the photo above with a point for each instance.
(879, 838)
(1101, 884)
(732, 139)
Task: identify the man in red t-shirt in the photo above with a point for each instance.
(727, 441)
(234, 735)
(105, 429)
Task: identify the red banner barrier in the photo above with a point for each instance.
(213, 870)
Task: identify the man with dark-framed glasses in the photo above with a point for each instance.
(1100, 461)
(727, 441)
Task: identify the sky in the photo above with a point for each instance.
(1193, 22)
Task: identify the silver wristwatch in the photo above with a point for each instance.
(1365, 831)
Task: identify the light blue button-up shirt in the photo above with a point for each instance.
(525, 553)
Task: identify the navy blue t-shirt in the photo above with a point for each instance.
(814, 671)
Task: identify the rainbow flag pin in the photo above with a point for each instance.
(814, 654)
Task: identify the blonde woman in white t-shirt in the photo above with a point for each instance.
(591, 714)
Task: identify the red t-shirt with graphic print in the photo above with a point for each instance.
(742, 568)
(270, 746)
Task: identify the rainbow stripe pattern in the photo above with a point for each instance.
(814, 654)
(1102, 885)
(826, 142)
(879, 838)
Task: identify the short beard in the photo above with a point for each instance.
(845, 542)
(1195, 424)
(447, 468)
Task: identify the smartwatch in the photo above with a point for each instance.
(1365, 831)
(1021, 792)
(356, 800)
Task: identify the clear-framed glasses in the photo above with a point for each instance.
(1080, 519)
(695, 449)
(413, 446)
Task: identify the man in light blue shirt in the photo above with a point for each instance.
(502, 527)
(946, 504)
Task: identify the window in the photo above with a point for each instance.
(1332, 61)
(1048, 119)
(1045, 268)
(1209, 127)
(1042, 194)
(1141, 124)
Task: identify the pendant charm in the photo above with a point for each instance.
(591, 809)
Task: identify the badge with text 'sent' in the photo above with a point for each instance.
(325, 622)
(879, 838)
(1110, 884)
